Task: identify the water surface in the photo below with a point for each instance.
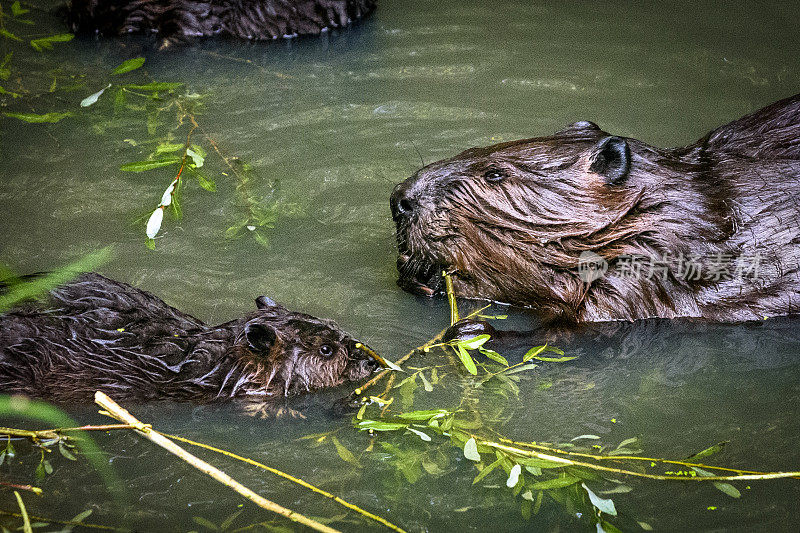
(328, 126)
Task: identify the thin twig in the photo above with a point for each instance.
(626, 457)
(30, 488)
(290, 478)
(425, 347)
(26, 521)
(114, 410)
(660, 477)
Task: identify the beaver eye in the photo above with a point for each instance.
(494, 175)
(326, 350)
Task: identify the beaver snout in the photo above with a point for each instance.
(402, 202)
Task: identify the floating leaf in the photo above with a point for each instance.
(513, 476)
(602, 504)
(424, 436)
(92, 98)
(466, 360)
(196, 158)
(494, 356)
(474, 343)
(46, 43)
(129, 65)
(35, 118)
(141, 166)
(375, 425)
(579, 437)
(154, 223)
(533, 352)
(471, 450)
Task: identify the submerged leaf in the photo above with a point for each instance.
(92, 98)
(129, 65)
(46, 43)
(35, 118)
(555, 483)
(141, 166)
(603, 505)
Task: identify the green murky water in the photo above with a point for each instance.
(328, 126)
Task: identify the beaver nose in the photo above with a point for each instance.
(401, 201)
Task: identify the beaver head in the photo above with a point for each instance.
(514, 223)
(282, 352)
(99, 334)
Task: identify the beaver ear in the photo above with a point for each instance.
(260, 337)
(265, 302)
(612, 159)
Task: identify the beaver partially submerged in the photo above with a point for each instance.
(587, 226)
(247, 19)
(99, 334)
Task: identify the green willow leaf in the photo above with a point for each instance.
(34, 118)
(141, 166)
(466, 360)
(474, 342)
(556, 483)
(46, 43)
(129, 65)
(487, 470)
(494, 356)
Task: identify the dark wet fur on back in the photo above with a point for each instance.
(511, 220)
(99, 334)
(247, 19)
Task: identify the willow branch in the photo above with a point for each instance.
(114, 410)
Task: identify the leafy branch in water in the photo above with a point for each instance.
(580, 475)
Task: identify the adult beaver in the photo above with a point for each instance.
(99, 334)
(247, 19)
(587, 226)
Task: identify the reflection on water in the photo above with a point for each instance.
(328, 126)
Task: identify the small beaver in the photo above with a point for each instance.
(247, 19)
(588, 226)
(100, 334)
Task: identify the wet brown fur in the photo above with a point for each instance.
(247, 19)
(511, 220)
(99, 334)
